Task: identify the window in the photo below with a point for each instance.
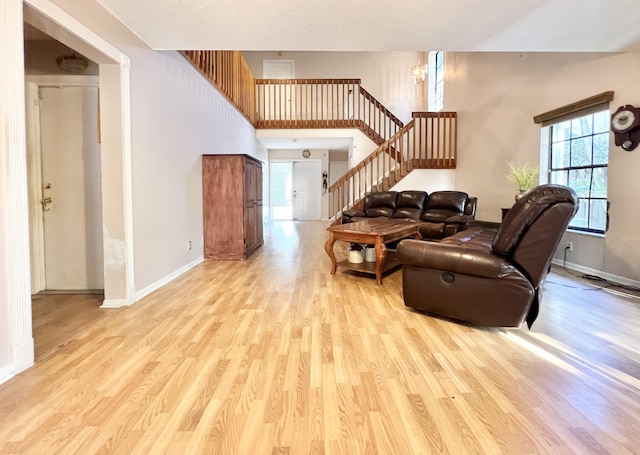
(576, 151)
(436, 81)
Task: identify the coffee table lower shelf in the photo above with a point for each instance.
(369, 268)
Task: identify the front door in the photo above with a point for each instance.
(306, 190)
(71, 188)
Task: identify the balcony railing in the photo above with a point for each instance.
(323, 103)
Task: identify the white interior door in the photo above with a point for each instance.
(306, 190)
(71, 188)
(279, 96)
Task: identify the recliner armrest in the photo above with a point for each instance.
(454, 258)
(459, 219)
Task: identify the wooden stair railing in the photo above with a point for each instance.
(229, 73)
(429, 141)
(323, 103)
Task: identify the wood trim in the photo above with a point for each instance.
(15, 298)
(603, 97)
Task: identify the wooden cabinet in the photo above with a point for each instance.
(232, 206)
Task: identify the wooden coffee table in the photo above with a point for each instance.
(376, 231)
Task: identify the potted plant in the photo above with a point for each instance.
(525, 177)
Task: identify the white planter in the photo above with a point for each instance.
(356, 257)
(370, 254)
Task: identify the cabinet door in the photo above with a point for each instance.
(250, 230)
(259, 184)
(252, 206)
(250, 182)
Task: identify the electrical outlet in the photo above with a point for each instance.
(189, 245)
(570, 246)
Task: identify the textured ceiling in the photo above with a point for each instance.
(384, 25)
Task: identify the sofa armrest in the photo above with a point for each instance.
(455, 258)
(349, 215)
(353, 213)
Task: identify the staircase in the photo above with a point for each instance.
(428, 141)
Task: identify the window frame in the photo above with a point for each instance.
(436, 81)
(567, 170)
(583, 108)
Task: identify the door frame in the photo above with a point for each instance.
(33, 84)
(293, 161)
(115, 115)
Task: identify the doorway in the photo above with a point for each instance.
(295, 190)
(65, 185)
(115, 117)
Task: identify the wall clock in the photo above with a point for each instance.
(306, 153)
(625, 125)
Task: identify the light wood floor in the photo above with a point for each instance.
(275, 355)
(61, 318)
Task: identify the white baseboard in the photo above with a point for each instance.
(113, 303)
(607, 276)
(24, 356)
(7, 372)
(161, 282)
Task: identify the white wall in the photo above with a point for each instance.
(429, 180)
(497, 96)
(360, 147)
(176, 116)
(386, 75)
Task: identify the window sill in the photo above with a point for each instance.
(588, 234)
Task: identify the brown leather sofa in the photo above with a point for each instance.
(490, 274)
(442, 213)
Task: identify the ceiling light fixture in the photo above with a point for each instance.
(72, 63)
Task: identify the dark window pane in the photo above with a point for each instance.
(598, 214)
(601, 148)
(599, 184)
(561, 131)
(581, 219)
(558, 177)
(601, 122)
(582, 126)
(581, 151)
(560, 156)
(580, 181)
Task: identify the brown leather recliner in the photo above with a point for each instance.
(490, 274)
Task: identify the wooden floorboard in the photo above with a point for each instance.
(276, 355)
(60, 317)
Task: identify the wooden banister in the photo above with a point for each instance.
(429, 141)
(323, 103)
(230, 74)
